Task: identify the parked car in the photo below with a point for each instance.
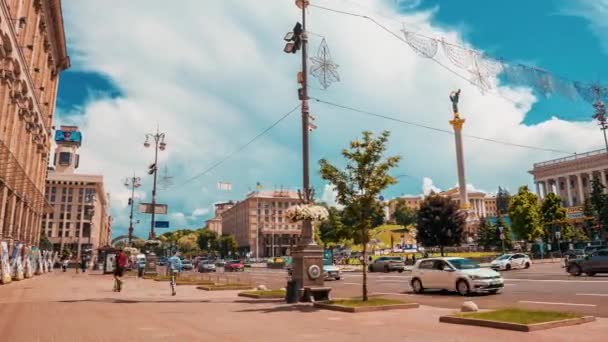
(206, 266)
(234, 266)
(454, 274)
(387, 264)
(187, 265)
(220, 263)
(330, 270)
(597, 262)
(511, 261)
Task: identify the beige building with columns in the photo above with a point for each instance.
(80, 219)
(32, 55)
(260, 225)
(215, 224)
(570, 177)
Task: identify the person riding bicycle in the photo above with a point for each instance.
(174, 266)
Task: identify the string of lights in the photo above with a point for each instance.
(239, 149)
(506, 143)
(481, 67)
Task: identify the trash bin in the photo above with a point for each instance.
(291, 293)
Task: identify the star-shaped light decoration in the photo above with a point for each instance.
(323, 68)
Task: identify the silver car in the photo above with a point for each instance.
(206, 266)
(387, 264)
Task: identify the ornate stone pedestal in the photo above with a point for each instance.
(308, 271)
(151, 265)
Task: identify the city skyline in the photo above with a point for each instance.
(119, 90)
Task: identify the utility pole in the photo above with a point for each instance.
(307, 257)
(159, 144)
(132, 182)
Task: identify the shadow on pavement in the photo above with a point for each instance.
(130, 301)
(284, 308)
(259, 301)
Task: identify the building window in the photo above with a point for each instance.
(65, 158)
(61, 216)
(53, 189)
(68, 216)
(52, 198)
(60, 226)
(67, 233)
(60, 233)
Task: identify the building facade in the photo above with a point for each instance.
(260, 225)
(480, 203)
(32, 55)
(570, 177)
(79, 221)
(215, 224)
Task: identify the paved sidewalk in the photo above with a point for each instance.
(70, 307)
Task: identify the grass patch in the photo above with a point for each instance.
(222, 287)
(265, 294)
(520, 316)
(182, 280)
(357, 302)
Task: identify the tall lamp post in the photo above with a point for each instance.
(132, 182)
(159, 144)
(307, 272)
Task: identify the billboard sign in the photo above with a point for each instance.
(574, 213)
(68, 136)
(161, 224)
(146, 208)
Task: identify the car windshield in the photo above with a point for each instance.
(464, 264)
(397, 259)
(504, 257)
(327, 262)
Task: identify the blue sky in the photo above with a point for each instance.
(213, 75)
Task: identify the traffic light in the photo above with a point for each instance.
(152, 168)
(294, 39)
(130, 201)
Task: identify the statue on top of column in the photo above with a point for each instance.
(454, 98)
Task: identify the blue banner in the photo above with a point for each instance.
(161, 224)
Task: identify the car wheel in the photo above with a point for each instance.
(337, 278)
(527, 265)
(400, 271)
(494, 291)
(463, 287)
(591, 274)
(417, 286)
(575, 270)
(508, 267)
(386, 270)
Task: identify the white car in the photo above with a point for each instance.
(511, 261)
(331, 271)
(454, 274)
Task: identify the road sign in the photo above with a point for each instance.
(146, 208)
(161, 224)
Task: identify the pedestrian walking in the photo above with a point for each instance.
(121, 264)
(83, 264)
(414, 259)
(64, 264)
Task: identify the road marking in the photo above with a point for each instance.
(552, 303)
(560, 281)
(351, 283)
(593, 294)
(392, 293)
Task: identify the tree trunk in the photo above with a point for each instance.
(364, 271)
(441, 249)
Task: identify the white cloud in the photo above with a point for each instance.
(329, 196)
(212, 74)
(428, 187)
(200, 212)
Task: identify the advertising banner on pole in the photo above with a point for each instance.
(17, 262)
(5, 267)
(146, 208)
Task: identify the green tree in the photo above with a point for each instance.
(525, 215)
(590, 218)
(485, 234)
(359, 184)
(139, 243)
(440, 222)
(403, 215)
(502, 201)
(227, 245)
(506, 233)
(188, 244)
(45, 244)
(552, 215)
(332, 229)
(599, 201)
(207, 241)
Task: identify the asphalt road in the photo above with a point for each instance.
(543, 286)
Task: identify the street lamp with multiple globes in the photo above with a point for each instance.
(159, 144)
(132, 182)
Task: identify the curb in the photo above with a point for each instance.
(516, 326)
(351, 309)
(254, 296)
